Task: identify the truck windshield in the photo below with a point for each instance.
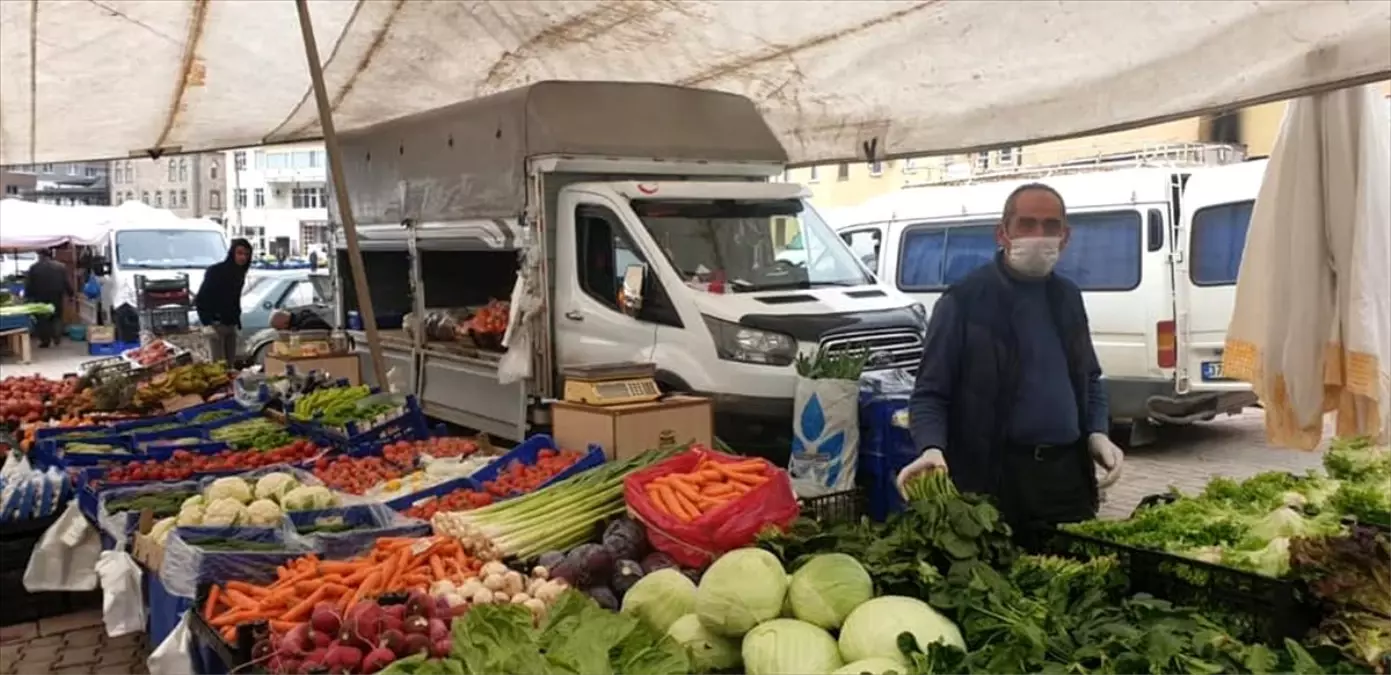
(169, 249)
(753, 245)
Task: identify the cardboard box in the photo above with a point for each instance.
(101, 335)
(146, 550)
(625, 431)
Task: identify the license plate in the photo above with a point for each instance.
(1212, 370)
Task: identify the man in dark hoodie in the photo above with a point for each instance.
(219, 300)
(47, 281)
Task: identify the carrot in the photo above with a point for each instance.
(410, 580)
(751, 481)
(368, 586)
(301, 611)
(685, 490)
(403, 564)
(231, 618)
(340, 567)
(756, 465)
(335, 590)
(248, 589)
(689, 479)
(210, 609)
(687, 506)
(283, 626)
(666, 498)
(711, 475)
(437, 567)
(717, 489)
(229, 634)
(280, 597)
(240, 600)
(392, 543)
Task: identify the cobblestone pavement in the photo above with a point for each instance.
(74, 644)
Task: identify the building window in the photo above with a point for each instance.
(145, 196)
(46, 168)
(811, 174)
(876, 168)
(212, 171)
(173, 171)
(183, 199)
(308, 198)
(983, 161)
(843, 171)
(1008, 157)
(74, 170)
(159, 198)
(130, 173)
(183, 169)
(215, 200)
(239, 160)
(260, 196)
(240, 197)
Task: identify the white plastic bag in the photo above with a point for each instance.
(173, 656)
(16, 465)
(825, 436)
(123, 605)
(66, 557)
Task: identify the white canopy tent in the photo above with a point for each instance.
(27, 226)
(836, 80)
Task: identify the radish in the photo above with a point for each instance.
(394, 640)
(377, 659)
(441, 648)
(416, 643)
(344, 659)
(417, 624)
(396, 611)
(437, 630)
(419, 604)
(321, 640)
(325, 619)
(441, 608)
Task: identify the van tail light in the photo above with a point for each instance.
(1167, 352)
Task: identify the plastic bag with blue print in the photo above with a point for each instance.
(825, 436)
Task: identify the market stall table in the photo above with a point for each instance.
(18, 341)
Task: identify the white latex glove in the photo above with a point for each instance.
(930, 460)
(1107, 456)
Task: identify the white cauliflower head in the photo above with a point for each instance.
(264, 513)
(229, 487)
(160, 531)
(309, 497)
(225, 512)
(195, 500)
(190, 516)
(275, 485)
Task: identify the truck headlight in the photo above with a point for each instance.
(920, 311)
(750, 345)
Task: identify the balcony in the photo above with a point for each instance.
(314, 174)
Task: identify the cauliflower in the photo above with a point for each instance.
(230, 487)
(263, 513)
(195, 500)
(309, 497)
(275, 485)
(161, 529)
(190, 516)
(225, 512)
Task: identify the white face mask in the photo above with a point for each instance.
(1035, 256)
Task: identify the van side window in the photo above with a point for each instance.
(1218, 238)
(865, 245)
(603, 253)
(1103, 252)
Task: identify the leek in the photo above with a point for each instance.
(562, 515)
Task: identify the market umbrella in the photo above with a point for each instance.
(1312, 326)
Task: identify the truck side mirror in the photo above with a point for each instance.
(633, 278)
(100, 266)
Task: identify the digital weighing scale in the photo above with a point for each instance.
(611, 383)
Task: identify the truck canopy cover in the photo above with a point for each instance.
(101, 80)
(468, 160)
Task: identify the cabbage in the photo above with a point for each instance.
(742, 589)
(789, 647)
(708, 652)
(263, 513)
(229, 487)
(872, 629)
(225, 512)
(275, 485)
(827, 587)
(873, 666)
(190, 516)
(308, 498)
(660, 598)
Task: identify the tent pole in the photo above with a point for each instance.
(340, 192)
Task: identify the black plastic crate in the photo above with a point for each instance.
(836, 507)
(22, 606)
(1250, 605)
(169, 321)
(234, 657)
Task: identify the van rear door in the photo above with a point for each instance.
(1217, 207)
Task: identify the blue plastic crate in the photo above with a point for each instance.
(140, 440)
(16, 321)
(48, 433)
(527, 452)
(87, 494)
(110, 348)
(409, 426)
(374, 521)
(188, 414)
(143, 423)
(48, 453)
(886, 447)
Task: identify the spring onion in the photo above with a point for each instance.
(555, 517)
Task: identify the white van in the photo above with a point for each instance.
(158, 248)
(1128, 254)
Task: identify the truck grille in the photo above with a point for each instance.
(892, 349)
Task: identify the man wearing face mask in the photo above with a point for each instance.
(1009, 397)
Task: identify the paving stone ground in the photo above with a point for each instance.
(74, 644)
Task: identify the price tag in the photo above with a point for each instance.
(74, 532)
(422, 545)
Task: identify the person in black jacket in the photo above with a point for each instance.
(1009, 396)
(47, 281)
(219, 301)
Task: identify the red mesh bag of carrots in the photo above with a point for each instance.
(701, 503)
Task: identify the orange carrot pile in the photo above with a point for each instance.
(394, 564)
(709, 487)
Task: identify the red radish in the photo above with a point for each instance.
(344, 659)
(416, 643)
(289, 665)
(417, 624)
(377, 659)
(325, 619)
(321, 640)
(441, 609)
(297, 641)
(419, 604)
(393, 623)
(441, 648)
(437, 630)
(394, 640)
(397, 611)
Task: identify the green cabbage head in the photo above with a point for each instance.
(742, 589)
(660, 598)
(872, 666)
(872, 629)
(708, 652)
(827, 587)
(789, 647)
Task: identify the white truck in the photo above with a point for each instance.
(1154, 249)
(568, 193)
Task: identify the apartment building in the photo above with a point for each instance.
(189, 185)
(278, 197)
(62, 184)
(1249, 132)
